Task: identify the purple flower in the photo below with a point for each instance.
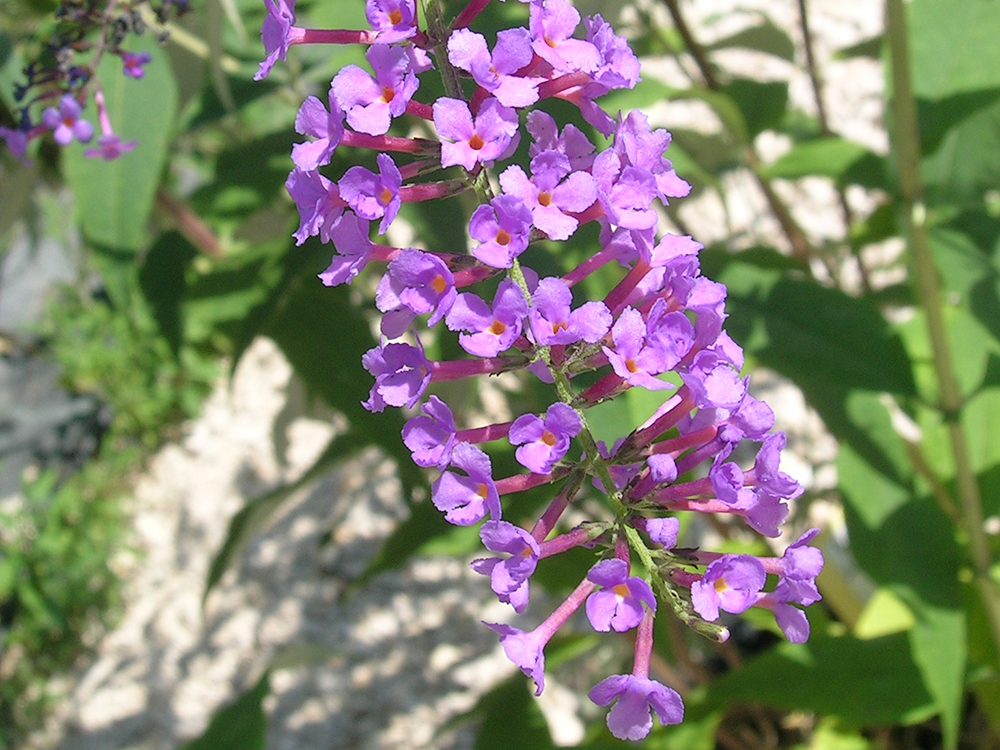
(370, 102)
(552, 322)
(431, 437)
(643, 148)
(663, 530)
(493, 135)
(765, 469)
(132, 63)
(349, 235)
(401, 376)
(110, 147)
(373, 196)
(65, 122)
(525, 650)
(394, 20)
(714, 381)
(626, 192)
(633, 361)
(467, 50)
(275, 33)
(543, 443)
(618, 604)
(800, 561)
(572, 143)
(619, 67)
(327, 127)
(503, 228)
(552, 25)
(630, 718)
(731, 583)
(318, 203)
(17, 141)
(552, 192)
(466, 500)
(489, 331)
(508, 577)
(415, 283)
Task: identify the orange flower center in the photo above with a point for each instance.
(482, 490)
(496, 328)
(503, 238)
(388, 94)
(475, 142)
(438, 284)
(548, 438)
(385, 196)
(545, 198)
(631, 366)
(621, 590)
(556, 327)
(720, 585)
(395, 16)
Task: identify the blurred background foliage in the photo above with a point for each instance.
(182, 256)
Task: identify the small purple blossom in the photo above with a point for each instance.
(431, 436)
(663, 531)
(493, 135)
(552, 321)
(731, 583)
(571, 143)
(495, 73)
(525, 650)
(110, 147)
(503, 228)
(466, 500)
(349, 234)
(618, 603)
(275, 33)
(543, 443)
(489, 331)
(633, 361)
(327, 127)
(629, 718)
(17, 141)
(552, 25)
(508, 576)
(401, 376)
(370, 102)
(65, 122)
(318, 203)
(373, 196)
(132, 63)
(394, 20)
(552, 193)
(415, 283)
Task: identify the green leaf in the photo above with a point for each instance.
(324, 337)
(161, 278)
(834, 157)
(240, 725)
(819, 337)
(765, 37)
(938, 640)
(827, 675)
(936, 117)
(510, 718)
(967, 163)
(953, 46)
(114, 198)
(762, 103)
(871, 48)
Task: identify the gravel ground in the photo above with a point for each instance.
(387, 667)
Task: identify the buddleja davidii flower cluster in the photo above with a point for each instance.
(58, 83)
(662, 317)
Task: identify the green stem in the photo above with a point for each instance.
(906, 141)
